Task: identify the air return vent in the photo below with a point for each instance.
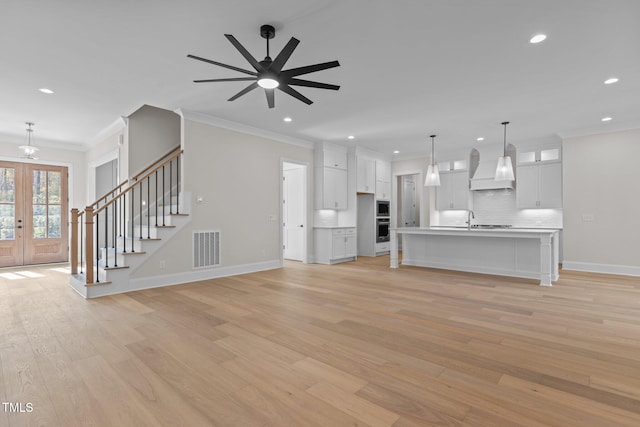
(206, 249)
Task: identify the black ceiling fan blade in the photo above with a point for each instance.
(247, 89)
(244, 52)
(234, 79)
(309, 69)
(284, 55)
(291, 91)
(270, 97)
(220, 64)
(308, 83)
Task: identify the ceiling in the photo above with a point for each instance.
(409, 68)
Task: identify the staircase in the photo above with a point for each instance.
(119, 232)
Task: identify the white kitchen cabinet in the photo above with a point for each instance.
(453, 192)
(331, 178)
(383, 180)
(335, 159)
(539, 186)
(335, 245)
(366, 175)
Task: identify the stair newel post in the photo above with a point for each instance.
(74, 241)
(178, 183)
(89, 244)
(148, 208)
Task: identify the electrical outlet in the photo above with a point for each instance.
(163, 265)
(588, 217)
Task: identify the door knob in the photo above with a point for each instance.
(301, 225)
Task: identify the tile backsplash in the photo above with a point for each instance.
(499, 207)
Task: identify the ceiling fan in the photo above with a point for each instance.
(268, 73)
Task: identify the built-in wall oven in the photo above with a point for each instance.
(382, 230)
(382, 208)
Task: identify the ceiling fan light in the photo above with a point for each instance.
(268, 83)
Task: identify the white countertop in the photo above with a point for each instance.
(502, 232)
(334, 226)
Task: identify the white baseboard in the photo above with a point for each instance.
(474, 269)
(191, 276)
(625, 270)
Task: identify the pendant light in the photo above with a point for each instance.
(433, 174)
(29, 151)
(504, 170)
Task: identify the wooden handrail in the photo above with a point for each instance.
(136, 176)
(138, 182)
(94, 204)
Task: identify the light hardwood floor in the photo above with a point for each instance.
(356, 344)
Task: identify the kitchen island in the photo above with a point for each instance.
(527, 253)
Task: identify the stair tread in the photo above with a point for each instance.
(115, 268)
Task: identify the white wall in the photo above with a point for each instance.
(602, 202)
(151, 133)
(238, 177)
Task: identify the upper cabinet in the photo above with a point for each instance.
(539, 186)
(383, 180)
(539, 179)
(366, 175)
(331, 177)
(453, 192)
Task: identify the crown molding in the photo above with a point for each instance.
(239, 127)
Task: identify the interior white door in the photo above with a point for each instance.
(293, 213)
(409, 203)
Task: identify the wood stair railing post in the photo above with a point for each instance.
(89, 245)
(74, 241)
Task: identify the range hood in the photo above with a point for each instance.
(483, 168)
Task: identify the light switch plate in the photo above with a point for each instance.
(588, 217)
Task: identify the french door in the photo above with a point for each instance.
(33, 214)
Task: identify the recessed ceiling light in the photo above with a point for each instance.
(351, 137)
(480, 138)
(537, 38)
(45, 90)
(396, 152)
(287, 119)
(607, 119)
(610, 81)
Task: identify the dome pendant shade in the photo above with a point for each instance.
(433, 176)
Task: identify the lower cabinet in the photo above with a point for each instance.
(334, 245)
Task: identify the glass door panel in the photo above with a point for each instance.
(11, 211)
(46, 215)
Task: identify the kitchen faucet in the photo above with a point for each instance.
(470, 215)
